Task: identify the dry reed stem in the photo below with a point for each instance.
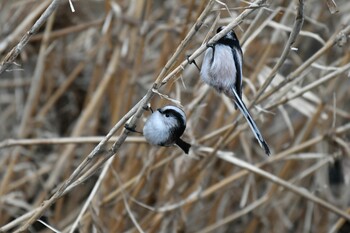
(312, 85)
(330, 43)
(299, 20)
(63, 140)
(35, 89)
(11, 56)
(300, 191)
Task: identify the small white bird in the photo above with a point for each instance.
(165, 127)
(222, 69)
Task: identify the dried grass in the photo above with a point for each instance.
(75, 76)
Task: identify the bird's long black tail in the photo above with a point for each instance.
(251, 122)
(183, 145)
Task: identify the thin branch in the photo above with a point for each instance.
(295, 189)
(64, 140)
(310, 86)
(336, 38)
(12, 55)
(127, 207)
(92, 194)
(292, 37)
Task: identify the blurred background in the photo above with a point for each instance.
(84, 70)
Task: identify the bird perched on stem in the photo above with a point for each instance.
(222, 69)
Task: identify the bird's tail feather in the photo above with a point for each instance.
(255, 129)
(183, 145)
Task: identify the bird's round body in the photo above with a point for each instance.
(222, 65)
(218, 70)
(165, 127)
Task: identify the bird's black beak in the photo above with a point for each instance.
(219, 29)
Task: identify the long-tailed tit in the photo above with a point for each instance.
(165, 127)
(222, 69)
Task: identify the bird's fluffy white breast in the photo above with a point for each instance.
(221, 73)
(155, 130)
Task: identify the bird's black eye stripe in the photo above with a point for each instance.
(171, 112)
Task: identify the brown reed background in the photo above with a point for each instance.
(82, 72)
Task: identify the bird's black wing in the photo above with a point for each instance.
(176, 130)
(237, 57)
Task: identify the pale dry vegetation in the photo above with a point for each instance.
(83, 75)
